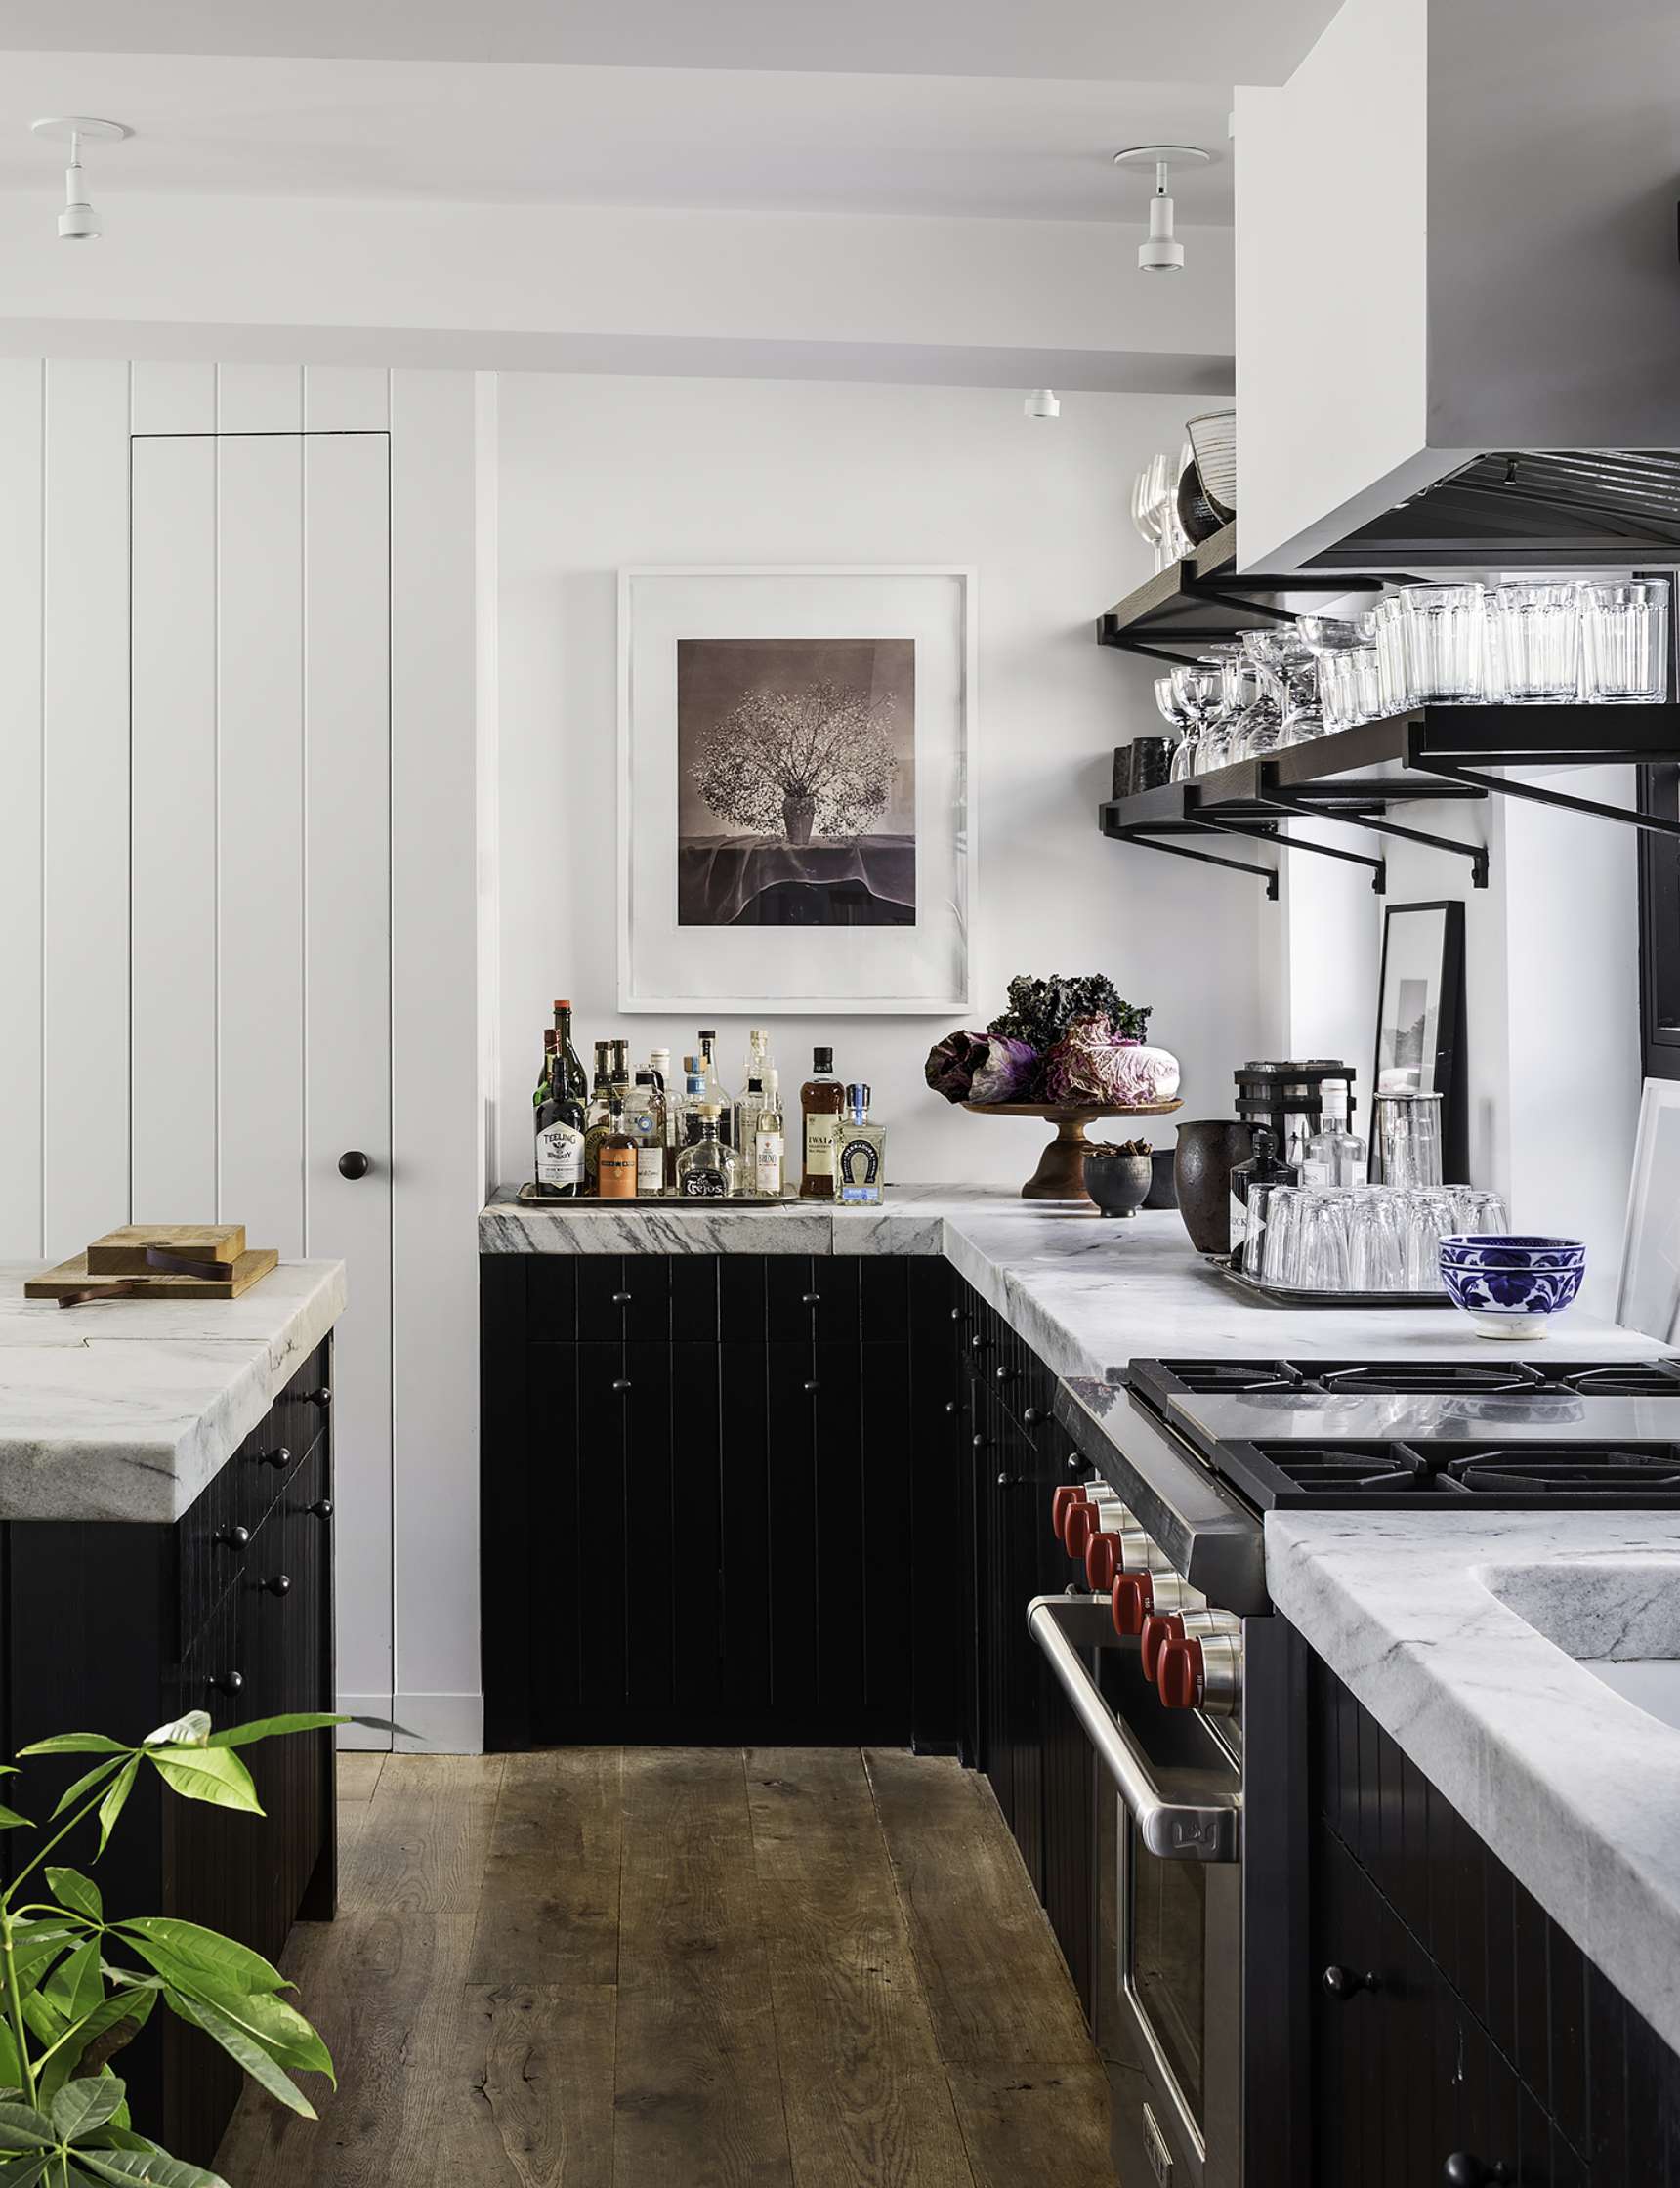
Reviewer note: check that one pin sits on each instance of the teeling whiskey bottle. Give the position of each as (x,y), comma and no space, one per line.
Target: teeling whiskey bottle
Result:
(820,1100)
(560,1123)
(572,1069)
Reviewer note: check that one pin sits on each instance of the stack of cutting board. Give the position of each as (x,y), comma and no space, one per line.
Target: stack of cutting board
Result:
(127,1262)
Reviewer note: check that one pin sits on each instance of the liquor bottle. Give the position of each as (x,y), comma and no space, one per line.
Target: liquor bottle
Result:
(1263,1169)
(659,1063)
(560,1125)
(769,1142)
(715,1085)
(707,1169)
(1335,1154)
(615,1154)
(547,1072)
(645,1121)
(599,1115)
(758,1067)
(820,1100)
(861,1154)
(572,1069)
(619,1068)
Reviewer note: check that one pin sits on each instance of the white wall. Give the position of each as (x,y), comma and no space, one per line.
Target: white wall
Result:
(595,473)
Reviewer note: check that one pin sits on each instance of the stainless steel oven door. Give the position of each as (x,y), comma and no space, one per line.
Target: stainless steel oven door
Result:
(1168,1994)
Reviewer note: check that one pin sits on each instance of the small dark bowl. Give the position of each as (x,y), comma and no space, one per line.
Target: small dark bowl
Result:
(1118,1183)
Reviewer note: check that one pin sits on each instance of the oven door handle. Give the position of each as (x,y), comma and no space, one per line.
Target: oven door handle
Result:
(1170,1830)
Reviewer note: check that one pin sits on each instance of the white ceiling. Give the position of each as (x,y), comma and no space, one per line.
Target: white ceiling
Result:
(959,146)
(1136,41)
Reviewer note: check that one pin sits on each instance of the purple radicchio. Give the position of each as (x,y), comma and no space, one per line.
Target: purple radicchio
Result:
(1092,1063)
(981,1067)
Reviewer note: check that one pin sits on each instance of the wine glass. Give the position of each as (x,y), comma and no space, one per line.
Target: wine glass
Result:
(1225,656)
(1194,694)
(1258,723)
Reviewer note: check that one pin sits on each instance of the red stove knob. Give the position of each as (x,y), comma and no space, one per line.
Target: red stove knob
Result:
(1133,1601)
(1101,1561)
(1179,1672)
(1159,1628)
(1062,1502)
(1078,1528)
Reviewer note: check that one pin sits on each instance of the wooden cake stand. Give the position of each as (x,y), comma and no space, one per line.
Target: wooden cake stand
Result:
(1061,1172)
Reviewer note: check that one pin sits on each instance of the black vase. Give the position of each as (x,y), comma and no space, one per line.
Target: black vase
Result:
(1163,1192)
(1208,1152)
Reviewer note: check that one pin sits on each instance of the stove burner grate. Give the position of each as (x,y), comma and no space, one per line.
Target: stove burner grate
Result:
(1543,1470)
(1233,1378)
(1427,1377)
(1516,1476)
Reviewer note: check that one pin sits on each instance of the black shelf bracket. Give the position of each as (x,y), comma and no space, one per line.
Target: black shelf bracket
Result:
(1268,832)
(1146,842)
(1455,770)
(1318,809)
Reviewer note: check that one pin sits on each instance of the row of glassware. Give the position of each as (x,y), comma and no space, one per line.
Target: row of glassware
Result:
(1540,642)
(1364,1238)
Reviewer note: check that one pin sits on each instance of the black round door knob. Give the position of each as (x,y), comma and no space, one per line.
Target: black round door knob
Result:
(1347,1983)
(279,1456)
(1465,2171)
(321,1508)
(352,1163)
(233,1537)
(280,1585)
(226,1682)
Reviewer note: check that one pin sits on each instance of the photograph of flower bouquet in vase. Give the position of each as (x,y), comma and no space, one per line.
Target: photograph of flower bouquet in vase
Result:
(797,796)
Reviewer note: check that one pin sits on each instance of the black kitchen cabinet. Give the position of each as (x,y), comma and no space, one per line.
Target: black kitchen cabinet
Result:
(1453,2019)
(118,1628)
(719,1494)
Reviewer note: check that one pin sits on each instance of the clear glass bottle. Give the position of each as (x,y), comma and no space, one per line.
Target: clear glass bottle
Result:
(758,1067)
(769,1142)
(615,1154)
(708,1169)
(820,1100)
(861,1154)
(645,1121)
(715,1092)
(599,1115)
(1335,1154)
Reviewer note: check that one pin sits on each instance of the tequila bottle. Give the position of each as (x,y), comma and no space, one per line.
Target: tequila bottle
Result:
(645,1121)
(715,1085)
(707,1169)
(859,1155)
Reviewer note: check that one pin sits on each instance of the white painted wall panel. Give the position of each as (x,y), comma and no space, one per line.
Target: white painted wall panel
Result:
(260,739)
(259,398)
(347,700)
(346,398)
(22,393)
(174,850)
(173,399)
(85,817)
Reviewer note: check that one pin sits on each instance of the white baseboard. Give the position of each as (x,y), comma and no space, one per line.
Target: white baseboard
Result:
(422,1724)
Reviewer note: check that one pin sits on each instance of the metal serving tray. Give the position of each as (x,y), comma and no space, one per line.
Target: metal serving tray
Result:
(1272,1296)
(530,1198)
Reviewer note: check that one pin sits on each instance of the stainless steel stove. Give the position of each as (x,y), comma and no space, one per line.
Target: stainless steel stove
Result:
(1189,1692)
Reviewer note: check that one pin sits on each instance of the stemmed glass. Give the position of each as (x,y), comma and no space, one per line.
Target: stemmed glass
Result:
(1259,725)
(1226,656)
(1344,655)
(1193,694)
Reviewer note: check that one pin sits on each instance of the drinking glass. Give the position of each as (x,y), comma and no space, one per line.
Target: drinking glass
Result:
(1394,675)
(1535,630)
(1333,642)
(1428,1218)
(1482,1214)
(1259,724)
(1227,657)
(1444,632)
(1324,1248)
(1626,633)
(1194,694)
(1279,1241)
(1376,1246)
(1408,1129)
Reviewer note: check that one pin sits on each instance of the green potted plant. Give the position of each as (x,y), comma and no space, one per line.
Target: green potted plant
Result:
(77,1984)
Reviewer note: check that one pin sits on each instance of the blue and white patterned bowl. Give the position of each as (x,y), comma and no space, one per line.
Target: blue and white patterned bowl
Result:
(1508,1285)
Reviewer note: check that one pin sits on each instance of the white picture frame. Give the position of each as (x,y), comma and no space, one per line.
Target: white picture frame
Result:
(669,964)
(1648,1295)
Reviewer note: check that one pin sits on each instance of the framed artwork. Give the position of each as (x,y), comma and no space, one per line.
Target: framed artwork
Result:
(1649,1297)
(795,825)
(1421,1016)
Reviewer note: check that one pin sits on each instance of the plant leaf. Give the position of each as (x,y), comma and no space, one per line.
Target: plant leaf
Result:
(35,1945)
(191,1731)
(111,1807)
(202,1959)
(70,1889)
(28,2172)
(23,2127)
(280,2029)
(77,1743)
(82,2105)
(77,1985)
(262,1728)
(209,1774)
(150,2168)
(242,2049)
(99,2036)
(86,1782)
(10,1820)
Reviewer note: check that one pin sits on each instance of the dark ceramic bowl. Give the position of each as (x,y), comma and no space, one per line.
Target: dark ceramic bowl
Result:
(1119,1184)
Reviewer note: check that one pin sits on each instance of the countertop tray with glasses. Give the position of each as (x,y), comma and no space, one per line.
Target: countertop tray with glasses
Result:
(1277,1295)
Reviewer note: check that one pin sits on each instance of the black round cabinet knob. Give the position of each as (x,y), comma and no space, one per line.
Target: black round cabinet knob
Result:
(279,1456)
(226,1682)
(1076,1466)
(280,1585)
(1347,1983)
(1464,2170)
(233,1537)
(321,1508)
(352,1163)
(321,1398)
(1032,1416)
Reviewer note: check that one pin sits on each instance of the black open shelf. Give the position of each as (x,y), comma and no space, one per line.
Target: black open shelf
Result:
(1181,608)
(1435,753)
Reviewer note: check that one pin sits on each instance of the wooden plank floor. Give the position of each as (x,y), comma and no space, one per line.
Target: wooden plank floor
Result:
(682,1968)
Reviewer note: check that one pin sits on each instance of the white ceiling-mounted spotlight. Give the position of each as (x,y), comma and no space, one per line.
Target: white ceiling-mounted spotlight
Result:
(1042,403)
(80,222)
(1163,253)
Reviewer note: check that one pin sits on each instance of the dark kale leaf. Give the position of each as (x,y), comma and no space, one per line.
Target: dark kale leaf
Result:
(1041,1011)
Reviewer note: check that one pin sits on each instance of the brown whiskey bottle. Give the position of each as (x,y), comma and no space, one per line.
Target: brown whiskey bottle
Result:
(820,1100)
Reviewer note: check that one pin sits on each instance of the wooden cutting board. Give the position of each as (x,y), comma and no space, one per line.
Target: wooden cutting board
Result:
(74,1276)
(122,1253)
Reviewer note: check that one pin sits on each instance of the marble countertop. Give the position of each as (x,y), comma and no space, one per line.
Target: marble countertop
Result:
(1573,1786)
(126,1408)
